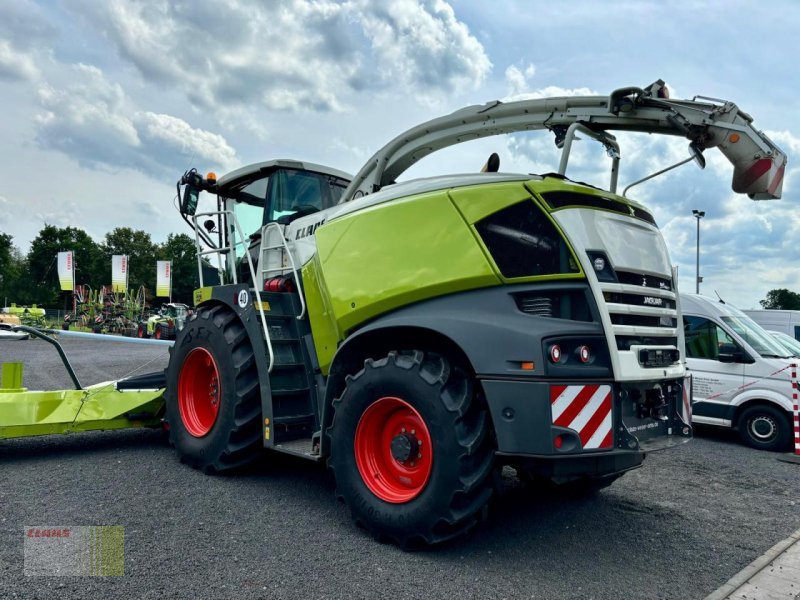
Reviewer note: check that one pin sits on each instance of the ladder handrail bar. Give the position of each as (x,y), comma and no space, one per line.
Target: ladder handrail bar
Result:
(230,218)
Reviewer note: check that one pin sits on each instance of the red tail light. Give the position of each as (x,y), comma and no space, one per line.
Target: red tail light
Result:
(584,354)
(555,353)
(279,284)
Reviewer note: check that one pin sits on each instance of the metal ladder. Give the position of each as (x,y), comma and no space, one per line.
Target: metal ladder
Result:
(235,239)
(282,245)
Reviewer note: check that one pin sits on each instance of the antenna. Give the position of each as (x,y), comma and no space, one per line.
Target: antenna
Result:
(720,297)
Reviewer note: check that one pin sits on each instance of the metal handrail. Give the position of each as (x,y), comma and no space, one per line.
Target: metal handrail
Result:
(608,140)
(284,244)
(200,252)
(231,251)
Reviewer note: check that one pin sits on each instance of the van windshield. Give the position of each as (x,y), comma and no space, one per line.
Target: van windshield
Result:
(758,338)
(791,344)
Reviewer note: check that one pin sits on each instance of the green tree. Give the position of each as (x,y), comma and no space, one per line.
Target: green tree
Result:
(781,299)
(12,265)
(180,249)
(42,270)
(141,252)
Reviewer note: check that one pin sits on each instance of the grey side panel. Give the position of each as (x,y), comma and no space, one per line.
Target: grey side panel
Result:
(490,328)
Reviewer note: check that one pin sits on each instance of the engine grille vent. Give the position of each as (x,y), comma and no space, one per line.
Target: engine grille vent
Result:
(541,306)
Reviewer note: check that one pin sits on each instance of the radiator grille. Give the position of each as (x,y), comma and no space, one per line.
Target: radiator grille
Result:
(642,308)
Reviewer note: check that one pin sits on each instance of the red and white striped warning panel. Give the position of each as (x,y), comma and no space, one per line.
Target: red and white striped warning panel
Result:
(586,409)
(686,413)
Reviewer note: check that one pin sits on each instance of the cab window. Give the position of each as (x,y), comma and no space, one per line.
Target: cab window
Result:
(704,338)
(249,208)
(294,191)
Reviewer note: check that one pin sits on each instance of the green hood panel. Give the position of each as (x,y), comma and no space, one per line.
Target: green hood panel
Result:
(376,260)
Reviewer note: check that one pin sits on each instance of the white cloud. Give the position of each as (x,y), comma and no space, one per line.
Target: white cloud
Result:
(16,65)
(517,79)
(93,121)
(26,24)
(293,54)
(550,91)
(172,135)
(423,44)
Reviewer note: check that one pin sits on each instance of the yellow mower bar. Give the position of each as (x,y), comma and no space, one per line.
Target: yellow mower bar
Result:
(26,413)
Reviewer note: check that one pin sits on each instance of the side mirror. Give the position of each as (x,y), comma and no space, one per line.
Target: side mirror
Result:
(731,353)
(189,200)
(697,155)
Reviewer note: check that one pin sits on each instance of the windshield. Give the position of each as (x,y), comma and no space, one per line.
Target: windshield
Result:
(788,342)
(297,191)
(756,336)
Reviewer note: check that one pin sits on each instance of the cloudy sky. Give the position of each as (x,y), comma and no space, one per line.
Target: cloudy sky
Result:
(106,103)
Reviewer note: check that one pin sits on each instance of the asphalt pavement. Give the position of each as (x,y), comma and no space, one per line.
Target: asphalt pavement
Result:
(679,527)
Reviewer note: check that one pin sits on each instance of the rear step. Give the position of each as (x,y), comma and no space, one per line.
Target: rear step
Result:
(304,447)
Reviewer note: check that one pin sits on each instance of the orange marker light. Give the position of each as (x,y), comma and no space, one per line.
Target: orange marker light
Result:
(527,366)
(733,138)
(211,177)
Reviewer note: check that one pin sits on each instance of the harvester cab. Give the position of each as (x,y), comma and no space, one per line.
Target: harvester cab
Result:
(250,200)
(418,335)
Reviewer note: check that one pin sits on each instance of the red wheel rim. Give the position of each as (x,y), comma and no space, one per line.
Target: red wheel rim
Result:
(199,392)
(141,332)
(393,450)
(158,333)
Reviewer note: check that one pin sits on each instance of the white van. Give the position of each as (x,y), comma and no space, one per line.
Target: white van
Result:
(741,375)
(785,321)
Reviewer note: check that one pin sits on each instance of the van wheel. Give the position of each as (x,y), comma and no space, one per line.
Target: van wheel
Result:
(764,427)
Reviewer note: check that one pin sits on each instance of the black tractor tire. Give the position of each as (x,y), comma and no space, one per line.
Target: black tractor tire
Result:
(455,495)
(234,438)
(141,331)
(765,427)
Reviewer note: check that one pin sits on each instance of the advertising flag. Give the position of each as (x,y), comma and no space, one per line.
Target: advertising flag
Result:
(66,270)
(119,273)
(164,278)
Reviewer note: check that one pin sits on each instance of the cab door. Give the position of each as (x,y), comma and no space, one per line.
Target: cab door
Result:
(714,382)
